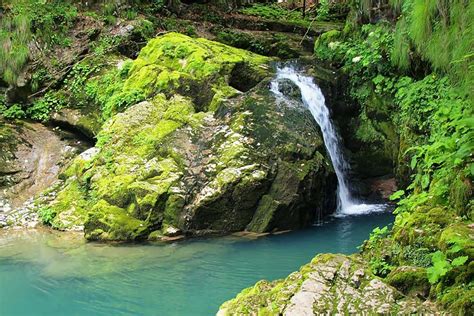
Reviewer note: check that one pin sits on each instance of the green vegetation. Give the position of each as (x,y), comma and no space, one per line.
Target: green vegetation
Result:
(409,68)
(431,106)
(24,20)
(439,32)
(274,45)
(276,12)
(46,215)
(325,10)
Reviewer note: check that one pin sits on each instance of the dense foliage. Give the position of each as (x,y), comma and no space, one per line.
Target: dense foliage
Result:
(44,22)
(431,106)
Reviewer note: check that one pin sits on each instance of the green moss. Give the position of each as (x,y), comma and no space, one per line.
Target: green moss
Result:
(175,62)
(458,238)
(129,173)
(114,188)
(171,63)
(266,210)
(109,222)
(173,208)
(221,93)
(282,192)
(461,194)
(423,226)
(409,280)
(155,235)
(326,38)
(70,207)
(458,300)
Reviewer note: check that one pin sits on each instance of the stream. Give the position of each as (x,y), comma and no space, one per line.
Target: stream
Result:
(53,273)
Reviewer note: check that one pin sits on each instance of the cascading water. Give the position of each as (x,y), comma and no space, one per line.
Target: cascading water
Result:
(313,98)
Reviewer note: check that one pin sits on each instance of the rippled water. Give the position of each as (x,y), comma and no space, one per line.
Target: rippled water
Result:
(51,273)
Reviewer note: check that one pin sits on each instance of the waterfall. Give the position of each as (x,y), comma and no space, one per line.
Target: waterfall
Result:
(313,99)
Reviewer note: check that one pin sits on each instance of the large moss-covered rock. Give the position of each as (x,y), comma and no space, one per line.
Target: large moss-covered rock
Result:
(330,284)
(210,150)
(198,68)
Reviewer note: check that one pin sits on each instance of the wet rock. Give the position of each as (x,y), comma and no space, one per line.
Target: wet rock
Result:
(85,121)
(289,89)
(337,283)
(31,158)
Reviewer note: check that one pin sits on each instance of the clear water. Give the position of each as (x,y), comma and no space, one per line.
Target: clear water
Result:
(313,98)
(51,273)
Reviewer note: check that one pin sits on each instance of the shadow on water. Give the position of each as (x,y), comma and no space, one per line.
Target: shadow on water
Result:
(54,273)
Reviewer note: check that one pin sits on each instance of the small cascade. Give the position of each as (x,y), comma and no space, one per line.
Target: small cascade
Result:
(313,99)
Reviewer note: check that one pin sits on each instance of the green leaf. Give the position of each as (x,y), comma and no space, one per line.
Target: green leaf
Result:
(459,261)
(456,248)
(440,267)
(413,162)
(397,195)
(425,181)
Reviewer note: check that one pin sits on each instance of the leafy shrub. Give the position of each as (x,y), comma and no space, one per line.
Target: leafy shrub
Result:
(441,266)
(276,12)
(78,76)
(15,111)
(23,20)
(46,215)
(41,109)
(181,26)
(378,233)
(322,12)
(440,32)
(380,267)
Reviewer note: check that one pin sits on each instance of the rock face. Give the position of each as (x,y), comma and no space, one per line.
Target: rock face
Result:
(31,157)
(210,150)
(330,284)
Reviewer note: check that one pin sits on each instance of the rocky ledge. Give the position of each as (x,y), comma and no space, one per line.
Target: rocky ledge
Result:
(330,284)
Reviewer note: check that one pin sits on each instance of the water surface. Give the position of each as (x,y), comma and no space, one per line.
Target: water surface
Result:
(51,273)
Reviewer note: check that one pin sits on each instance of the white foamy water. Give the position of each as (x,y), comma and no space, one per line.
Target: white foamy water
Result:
(313,99)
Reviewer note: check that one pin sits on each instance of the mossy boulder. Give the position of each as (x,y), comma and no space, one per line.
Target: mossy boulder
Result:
(208,150)
(331,283)
(197,68)
(410,281)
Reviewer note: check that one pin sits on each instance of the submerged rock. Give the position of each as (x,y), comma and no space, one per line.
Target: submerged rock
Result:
(331,283)
(210,150)
(289,89)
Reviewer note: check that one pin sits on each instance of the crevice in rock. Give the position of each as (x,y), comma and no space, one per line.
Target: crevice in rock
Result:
(243,77)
